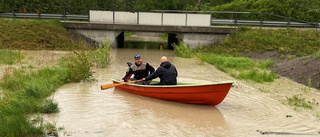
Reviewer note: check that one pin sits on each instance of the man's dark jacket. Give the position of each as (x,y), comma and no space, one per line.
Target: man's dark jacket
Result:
(139,71)
(167,73)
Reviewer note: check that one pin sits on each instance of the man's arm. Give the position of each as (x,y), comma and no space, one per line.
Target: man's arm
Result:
(150,68)
(128,75)
(156,74)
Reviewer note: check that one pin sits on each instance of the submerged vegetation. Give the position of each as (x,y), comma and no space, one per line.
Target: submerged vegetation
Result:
(24,91)
(297,101)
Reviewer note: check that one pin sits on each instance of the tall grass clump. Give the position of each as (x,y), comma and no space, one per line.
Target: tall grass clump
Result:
(101,56)
(182,50)
(297,101)
(50,106)
(243,68)
(11,56)
(78,66)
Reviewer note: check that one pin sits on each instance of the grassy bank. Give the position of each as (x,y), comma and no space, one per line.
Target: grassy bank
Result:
(24,90)
(227,55)
(290,43)
(36,35)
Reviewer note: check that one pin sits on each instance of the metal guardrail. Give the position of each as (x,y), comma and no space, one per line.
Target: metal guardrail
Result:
(263,23)
(45,16)
(290,23)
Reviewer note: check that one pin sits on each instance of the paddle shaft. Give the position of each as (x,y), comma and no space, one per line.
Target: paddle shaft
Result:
(114,85)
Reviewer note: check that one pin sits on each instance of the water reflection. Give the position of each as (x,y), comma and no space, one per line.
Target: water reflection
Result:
(145,45)
(85,110)
(199,116)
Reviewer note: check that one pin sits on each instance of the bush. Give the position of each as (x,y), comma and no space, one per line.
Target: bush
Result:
(183,50)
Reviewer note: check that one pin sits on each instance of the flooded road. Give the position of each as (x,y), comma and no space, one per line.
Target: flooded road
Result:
(85,110)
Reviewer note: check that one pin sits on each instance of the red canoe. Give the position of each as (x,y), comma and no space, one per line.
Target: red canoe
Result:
(206,94)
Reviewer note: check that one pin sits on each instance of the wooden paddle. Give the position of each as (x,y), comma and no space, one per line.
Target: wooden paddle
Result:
(114,85)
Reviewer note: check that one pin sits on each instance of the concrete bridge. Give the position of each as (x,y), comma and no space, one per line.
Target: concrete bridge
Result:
(193,29)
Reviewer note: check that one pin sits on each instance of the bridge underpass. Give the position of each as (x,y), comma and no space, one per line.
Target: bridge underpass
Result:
(192,29)
(114,33)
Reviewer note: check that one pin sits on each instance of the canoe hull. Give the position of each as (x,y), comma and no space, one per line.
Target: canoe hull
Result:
(206,94)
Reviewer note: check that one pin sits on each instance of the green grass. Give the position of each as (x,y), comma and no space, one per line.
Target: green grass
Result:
(50,106)
(10,57)
(33,34)
(101,56)
(182,50)
(297,101)
(288,42)
(226,54)
(25,92)
(128,34)
(243,68)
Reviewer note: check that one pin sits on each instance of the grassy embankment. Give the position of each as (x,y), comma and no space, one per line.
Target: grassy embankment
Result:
(226,55)
(25,90)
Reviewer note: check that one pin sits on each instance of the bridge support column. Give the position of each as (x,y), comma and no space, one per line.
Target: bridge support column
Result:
(113,37)
(194,40)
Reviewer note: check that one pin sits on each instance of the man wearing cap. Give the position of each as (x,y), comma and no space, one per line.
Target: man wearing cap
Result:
(139,69)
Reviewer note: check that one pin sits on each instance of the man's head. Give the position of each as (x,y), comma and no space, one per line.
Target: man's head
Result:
(137,59)
(163,59)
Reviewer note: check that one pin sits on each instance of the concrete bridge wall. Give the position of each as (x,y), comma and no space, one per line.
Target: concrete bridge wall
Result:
(192,36)
(150,18)
(192,29)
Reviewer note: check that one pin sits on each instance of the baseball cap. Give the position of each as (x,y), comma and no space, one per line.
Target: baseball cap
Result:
(137,56)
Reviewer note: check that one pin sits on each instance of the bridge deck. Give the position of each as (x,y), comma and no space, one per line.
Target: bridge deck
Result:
(149,28)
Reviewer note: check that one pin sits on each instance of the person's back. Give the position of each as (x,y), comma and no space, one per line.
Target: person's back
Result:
(167,73)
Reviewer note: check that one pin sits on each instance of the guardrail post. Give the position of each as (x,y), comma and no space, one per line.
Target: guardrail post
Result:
(64,13)
(137,18)
(14,14)
(261,21)
(24,11)
(38,11)
(235,21)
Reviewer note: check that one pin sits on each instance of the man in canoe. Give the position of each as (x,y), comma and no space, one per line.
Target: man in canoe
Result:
(139,69)
(167,73)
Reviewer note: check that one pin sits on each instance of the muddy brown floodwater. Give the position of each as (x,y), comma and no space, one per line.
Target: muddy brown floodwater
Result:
(85,110)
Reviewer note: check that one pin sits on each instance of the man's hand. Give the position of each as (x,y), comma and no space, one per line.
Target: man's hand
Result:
(121,81)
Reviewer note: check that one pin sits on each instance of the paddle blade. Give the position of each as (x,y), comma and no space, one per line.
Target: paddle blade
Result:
(109,86)
(114,85)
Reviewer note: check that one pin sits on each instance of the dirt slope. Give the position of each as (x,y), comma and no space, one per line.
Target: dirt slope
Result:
(304,70)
